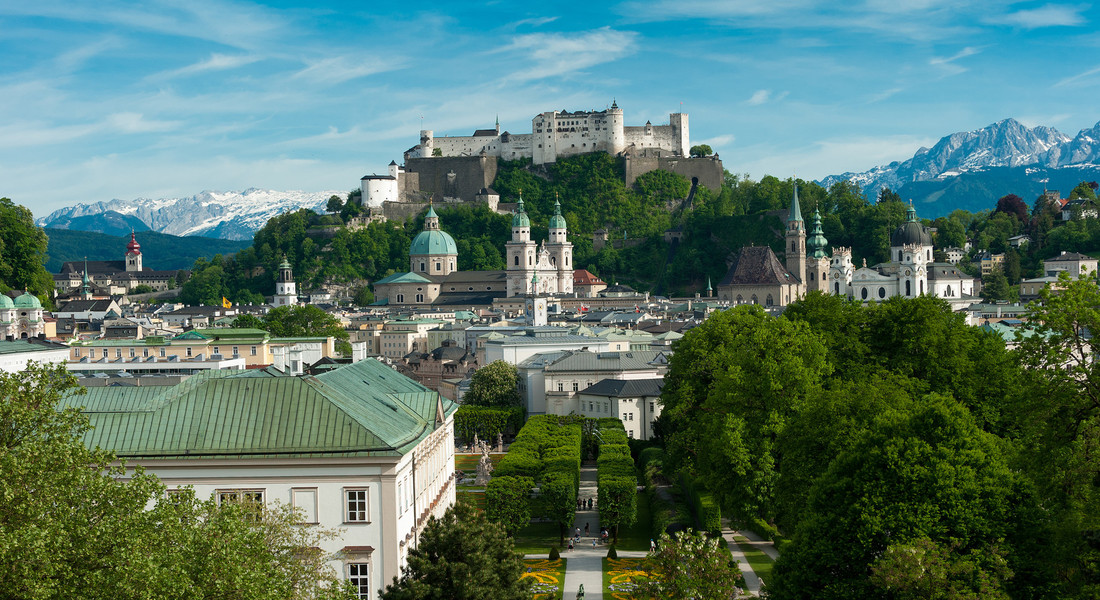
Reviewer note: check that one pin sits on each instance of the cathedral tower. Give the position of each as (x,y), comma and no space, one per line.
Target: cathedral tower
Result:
(133,255)
(561,252)
(521,252)
(817,263)
(286,293)
(796,240)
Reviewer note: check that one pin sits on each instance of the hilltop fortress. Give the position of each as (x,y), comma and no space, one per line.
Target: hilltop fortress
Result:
(462,168)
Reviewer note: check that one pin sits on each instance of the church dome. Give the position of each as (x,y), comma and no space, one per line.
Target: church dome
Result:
(5,301)
(133,247)
(27,300)
(433,242)
(911,232)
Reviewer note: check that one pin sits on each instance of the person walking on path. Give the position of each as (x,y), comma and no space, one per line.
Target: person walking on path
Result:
(586,530)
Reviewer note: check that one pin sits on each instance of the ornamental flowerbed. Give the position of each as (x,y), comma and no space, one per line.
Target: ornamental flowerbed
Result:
(619,576)
(548,577)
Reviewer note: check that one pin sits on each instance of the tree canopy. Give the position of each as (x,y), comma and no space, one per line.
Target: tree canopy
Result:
(462,557)
(23,252)
(689,565)
(496,385)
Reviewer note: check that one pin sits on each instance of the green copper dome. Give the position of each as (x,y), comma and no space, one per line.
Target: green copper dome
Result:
(557,221)
(5,301)
(520,219)
(816,242)
(433,240)
(27,300)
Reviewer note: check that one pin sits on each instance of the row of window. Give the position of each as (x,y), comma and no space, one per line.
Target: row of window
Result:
(356,506)
(162,352)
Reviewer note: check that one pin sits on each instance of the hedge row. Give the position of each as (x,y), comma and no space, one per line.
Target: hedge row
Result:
(615,477)
(546,452)
(706,509)
(486,422)
(665,513)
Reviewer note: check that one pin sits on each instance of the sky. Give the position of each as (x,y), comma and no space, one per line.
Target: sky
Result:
(105,99)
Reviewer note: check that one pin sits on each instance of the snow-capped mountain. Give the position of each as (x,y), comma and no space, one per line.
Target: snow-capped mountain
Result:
(1007,143)
(225,215)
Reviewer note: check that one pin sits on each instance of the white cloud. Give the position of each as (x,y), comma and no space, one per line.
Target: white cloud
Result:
(1049,15)
(129,122)
(827,157)
(216,62)
(1078,77)
(556,54)
(718,141)
(759,97)
(338,69)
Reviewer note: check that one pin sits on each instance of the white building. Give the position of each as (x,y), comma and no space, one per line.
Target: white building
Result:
(636,402)
(360,449)
(550,382)
(15,354)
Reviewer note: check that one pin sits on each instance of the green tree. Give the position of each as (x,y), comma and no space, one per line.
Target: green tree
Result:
(689,565)
(363,296)
(928,472)
(306,321)
(925,570)
(141,289)
(495,384)
(701,150)
(75,521)
(335,203)
(462,557)
(508,502)
(888,195)
(23,252)
(995,286)
(247,321)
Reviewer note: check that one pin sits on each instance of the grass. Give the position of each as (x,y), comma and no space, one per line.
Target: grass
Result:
(619,572)
(548,575)
(537,538)
(761,563)
(477,498)
(637,536)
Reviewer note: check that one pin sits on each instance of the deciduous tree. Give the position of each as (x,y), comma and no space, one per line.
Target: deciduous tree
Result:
(689,565)
(495,384)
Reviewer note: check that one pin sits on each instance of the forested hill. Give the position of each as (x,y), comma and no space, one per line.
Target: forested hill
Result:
(590,187)
(160,251)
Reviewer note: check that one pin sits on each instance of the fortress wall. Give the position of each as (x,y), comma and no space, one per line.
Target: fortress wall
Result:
(709,170)
(664,137)
(460,177)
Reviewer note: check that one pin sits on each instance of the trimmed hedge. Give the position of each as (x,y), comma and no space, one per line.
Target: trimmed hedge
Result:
(707,512)
(615,477)
(486,421)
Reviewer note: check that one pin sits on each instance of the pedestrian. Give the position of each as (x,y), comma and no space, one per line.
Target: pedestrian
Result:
(570,544)
(593,543)
(586,529)
(578,533)
(589,504)
(652,545)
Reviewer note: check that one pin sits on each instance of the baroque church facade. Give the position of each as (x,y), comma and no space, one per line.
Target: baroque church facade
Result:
(434,278)
(115,277)
(757,276)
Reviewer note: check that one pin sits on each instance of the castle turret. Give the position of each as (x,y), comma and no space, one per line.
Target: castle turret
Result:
(616,127)
(286,293)
(817,263)
(133,255)
(796,240)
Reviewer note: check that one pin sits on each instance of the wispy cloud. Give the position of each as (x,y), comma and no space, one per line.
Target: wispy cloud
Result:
(556,54)
(1049,15)
(128,122)
(534,22)
(1078,77)
(338,69)
(763,97)
(947,63)
(216,62)
(831,156)
(884,95)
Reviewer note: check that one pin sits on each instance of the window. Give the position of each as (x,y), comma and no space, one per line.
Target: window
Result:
(189,351)
(304,500)
(651,407)
(235,351)
(118,352)
(253,496)
(217,350)
(356,506)
(422,269)
(575,386)
(882,292)
(145,353)
(517,260)
(162,352)
(863,292)
(359,578)
(253,351)
(76,352)
(400,298)
(438,266)
(561,387)
(131,352)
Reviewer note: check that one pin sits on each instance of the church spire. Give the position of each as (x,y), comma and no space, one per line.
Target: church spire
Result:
(795,213)
(816,242)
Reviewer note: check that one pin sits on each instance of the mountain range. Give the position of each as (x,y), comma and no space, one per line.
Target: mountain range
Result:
(224,215)
(970,170)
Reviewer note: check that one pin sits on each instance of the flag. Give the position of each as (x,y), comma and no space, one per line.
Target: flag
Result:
(226,303)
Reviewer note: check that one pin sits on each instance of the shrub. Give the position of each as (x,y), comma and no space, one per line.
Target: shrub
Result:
(611,552)
(554,555)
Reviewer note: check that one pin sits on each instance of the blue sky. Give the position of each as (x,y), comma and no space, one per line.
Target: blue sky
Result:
(110,99)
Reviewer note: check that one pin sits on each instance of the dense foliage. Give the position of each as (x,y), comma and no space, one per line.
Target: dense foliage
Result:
(495,385)
(299,321)
(902,452)
(74,521)
(23,252)
(689,565)
(462,557)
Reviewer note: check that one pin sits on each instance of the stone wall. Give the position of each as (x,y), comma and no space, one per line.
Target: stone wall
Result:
(709,170)
(459,177)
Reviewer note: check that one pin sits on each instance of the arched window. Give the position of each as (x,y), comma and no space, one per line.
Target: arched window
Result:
(768,301)
(792,246)
(812,275)
(740,299)
(949,291)
(908,288)
(899,255)
(836,288)
(400,298)
(882,292)
(921,287)
(517,260)
(554,261)
(420,297)
(438,266)
(863,293)
(422,269)
(754,300)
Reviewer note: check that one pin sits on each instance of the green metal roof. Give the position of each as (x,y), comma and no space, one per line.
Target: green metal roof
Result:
(230,333)
(363,409)
(403,278)
(557,221)
(433,242)
(520,219)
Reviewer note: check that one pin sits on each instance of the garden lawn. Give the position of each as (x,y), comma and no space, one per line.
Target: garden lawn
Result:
(548,575)
(537,538)
(637,536)
(475,496)
(468,462)
(760,562)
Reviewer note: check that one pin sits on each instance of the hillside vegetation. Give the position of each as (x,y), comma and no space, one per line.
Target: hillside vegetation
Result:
(321,250)
(161,251)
